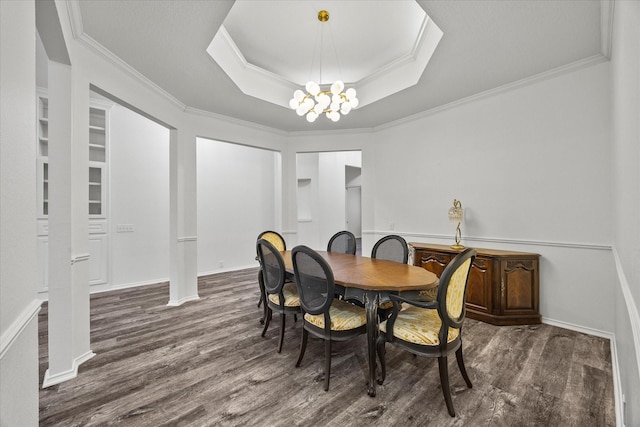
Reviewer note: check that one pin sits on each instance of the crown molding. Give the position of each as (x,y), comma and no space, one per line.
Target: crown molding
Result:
(234,121)
(75,18)
(73,9)
(527,81)
(331,132)
(606,26)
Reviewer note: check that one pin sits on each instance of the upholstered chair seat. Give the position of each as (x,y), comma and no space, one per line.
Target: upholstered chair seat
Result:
(290,293)
(343,316)
(419,326)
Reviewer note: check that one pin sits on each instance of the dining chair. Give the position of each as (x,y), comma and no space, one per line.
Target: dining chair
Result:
(343,242)
(279,296)
(390,248)
(323,316)
(434,328)
(276,240)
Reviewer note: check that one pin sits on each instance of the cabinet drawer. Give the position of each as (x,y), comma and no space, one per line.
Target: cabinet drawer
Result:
(432,261)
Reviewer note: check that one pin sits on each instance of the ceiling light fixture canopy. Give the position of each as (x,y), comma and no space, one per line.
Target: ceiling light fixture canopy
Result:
(316,101)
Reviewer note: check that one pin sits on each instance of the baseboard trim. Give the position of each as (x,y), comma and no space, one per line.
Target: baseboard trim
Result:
(179,302)
(617,384)
(18,326)
(578,328)
(634,319)
(60,377)
(132,285)
(228,270)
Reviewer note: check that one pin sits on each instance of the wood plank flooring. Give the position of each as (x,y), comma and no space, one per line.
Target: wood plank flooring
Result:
(205,364)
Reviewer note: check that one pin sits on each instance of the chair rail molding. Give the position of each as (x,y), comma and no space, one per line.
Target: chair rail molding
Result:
(16,328)
(79,258)
(448,237)
(187,239)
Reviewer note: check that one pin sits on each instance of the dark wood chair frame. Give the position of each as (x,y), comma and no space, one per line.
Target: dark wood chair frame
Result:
(325,333)
(405,256)
(284,248)
(350,250)
(383,313)
(274,288)
(444,348)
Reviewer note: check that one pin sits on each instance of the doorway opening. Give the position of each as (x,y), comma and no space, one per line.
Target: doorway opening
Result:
(329,188)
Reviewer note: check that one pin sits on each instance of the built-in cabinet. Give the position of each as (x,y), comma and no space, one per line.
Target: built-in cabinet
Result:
(503,287)
(98,139)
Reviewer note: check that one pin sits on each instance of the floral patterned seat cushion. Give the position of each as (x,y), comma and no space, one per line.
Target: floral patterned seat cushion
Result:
(419,326)
(291,297)
(344,316)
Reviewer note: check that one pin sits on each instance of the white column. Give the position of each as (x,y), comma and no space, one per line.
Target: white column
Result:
(183,285)
(69,343)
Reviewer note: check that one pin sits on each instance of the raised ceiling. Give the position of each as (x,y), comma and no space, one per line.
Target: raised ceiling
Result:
(486,45)
(391,58)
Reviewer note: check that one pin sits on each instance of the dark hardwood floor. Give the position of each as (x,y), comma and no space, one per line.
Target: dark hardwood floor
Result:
(205,364)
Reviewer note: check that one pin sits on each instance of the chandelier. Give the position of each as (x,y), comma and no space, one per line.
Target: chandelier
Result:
(315,101)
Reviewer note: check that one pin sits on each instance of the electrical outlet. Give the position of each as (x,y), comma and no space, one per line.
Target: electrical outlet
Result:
(124,228)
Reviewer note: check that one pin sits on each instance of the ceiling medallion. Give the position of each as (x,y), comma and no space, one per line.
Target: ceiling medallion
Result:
(316,101)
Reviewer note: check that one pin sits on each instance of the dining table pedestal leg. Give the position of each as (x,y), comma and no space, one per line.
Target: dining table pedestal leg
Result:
(371,305)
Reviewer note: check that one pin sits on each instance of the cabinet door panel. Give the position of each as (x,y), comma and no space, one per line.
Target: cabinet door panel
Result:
(432,262)
(519,287)
(98,259)
(479,286)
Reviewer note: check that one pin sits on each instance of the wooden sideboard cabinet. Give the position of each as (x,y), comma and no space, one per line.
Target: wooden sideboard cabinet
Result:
(503,286)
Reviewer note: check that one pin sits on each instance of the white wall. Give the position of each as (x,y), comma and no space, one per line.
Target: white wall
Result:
(532,168)
(139,196)
(238,197)
(625,113)
(19,304)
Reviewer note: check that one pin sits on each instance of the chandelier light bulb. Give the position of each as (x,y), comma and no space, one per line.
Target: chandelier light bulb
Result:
(337,87)
(350,93)
(301,111)
(312,116)
(313,88)
(298,95)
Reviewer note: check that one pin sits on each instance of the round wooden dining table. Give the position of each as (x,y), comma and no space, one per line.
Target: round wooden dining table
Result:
(369,281)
